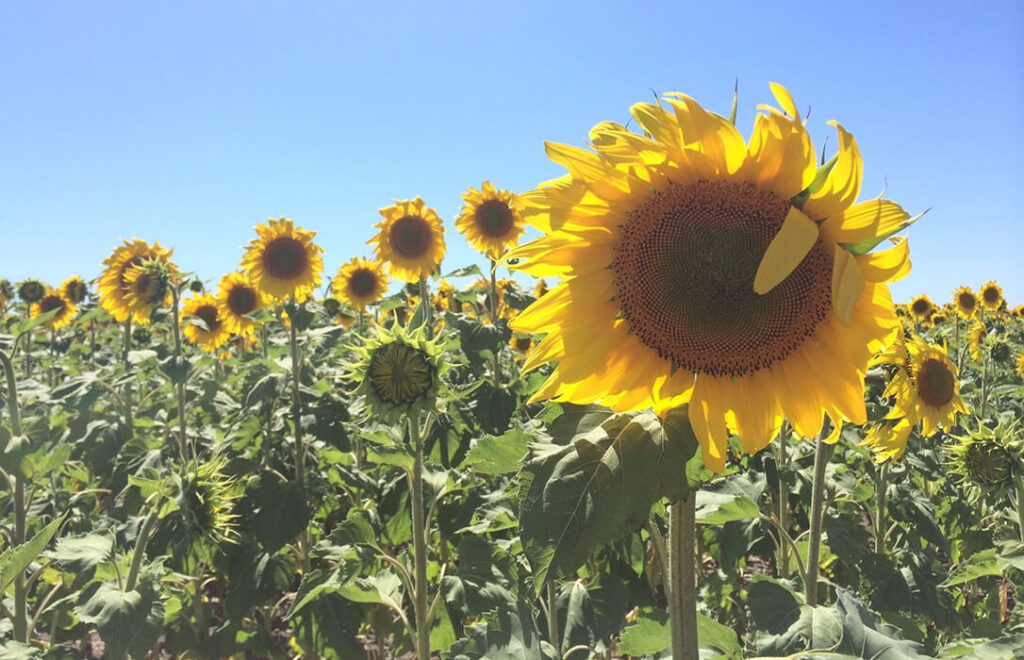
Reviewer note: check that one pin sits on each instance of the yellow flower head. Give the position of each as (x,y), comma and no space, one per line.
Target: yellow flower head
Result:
(976,336)
(284,261)
(991,296)
(521,343)
(966,302)
(237,297)
(55,300)
(74,289)
(921,307)
(113,286)
(360,282)
(410,240)
(147,286)
(698,267)
(204,325)
(490,220)
(1020,364)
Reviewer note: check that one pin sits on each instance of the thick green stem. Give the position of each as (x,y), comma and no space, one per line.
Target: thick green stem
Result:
(179,387)
(552,613)
(21,631)
(127,344)
(984,386)
(419,543)
(1020,505)
(783,464)
(683,592)
(492,297)
(881,525)
(140,550)
(300,440)
(822,454)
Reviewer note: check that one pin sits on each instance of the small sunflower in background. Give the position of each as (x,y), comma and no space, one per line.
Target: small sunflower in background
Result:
(283,261)
(966,302)
(204,325)
(410,240)
(490,220)
(237,297)
(147,286)
(1018,311)
(54,300)
(937,318)
(360,282)
(924,389)
(521,343)
(975,337)
(74,289)
(32,291)
(6,294)
(697,266)
(444,297)
(540,288)
(1019,364)
(921,307)
(113,287)
(991,296)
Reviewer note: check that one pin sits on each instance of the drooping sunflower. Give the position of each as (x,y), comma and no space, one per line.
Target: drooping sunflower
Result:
(921,307)
(55,300)
(74,289)
(360,282)
(975,337)
(284,262)
(490,220)
(147,286)
(212,332)
(6,294)
(966,302)
(697,267)
(991,296)
(113,287)
(410,240)
(237,297)
(924,389)
(987,460)
(32,291)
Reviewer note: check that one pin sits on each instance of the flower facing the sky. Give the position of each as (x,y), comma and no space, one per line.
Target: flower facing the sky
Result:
(410,240)
(283,261)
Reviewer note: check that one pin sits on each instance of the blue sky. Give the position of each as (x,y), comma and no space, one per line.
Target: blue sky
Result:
(191,122)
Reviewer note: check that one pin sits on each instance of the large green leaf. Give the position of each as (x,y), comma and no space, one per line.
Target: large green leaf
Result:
(83,553)
(507,633)
(274,511)
(15,560)
(581,491)
(129,622)
(499,455)
(980,564)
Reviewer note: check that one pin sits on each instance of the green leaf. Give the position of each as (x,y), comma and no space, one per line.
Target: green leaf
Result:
(1011,553)
(846,538)
(720,508)
(714,634)
(595,487)
(129,622)
(274,511)
(465,271)
(508,633)
(980,564)
(83,553)
(499,455)
(650,634)
(16,559)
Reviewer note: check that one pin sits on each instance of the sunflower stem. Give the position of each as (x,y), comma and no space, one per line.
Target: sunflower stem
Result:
(21,632)
(127,342)
(682,576)
(783,464)
(140,549)
(984,386)
(492,297)
(428,308)
(179,387)
(1020,505)
(300,441)
(822,454)
(552,614)
(419,542)
(882,492)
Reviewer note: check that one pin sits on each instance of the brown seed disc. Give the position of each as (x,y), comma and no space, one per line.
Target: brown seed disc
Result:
(242,300)
(920,307)
(210,317)
(991,295)
(50,303)
(967,300)
(410,236)
(284,258)
(684,270)
(362,282)
(494,218)
(935,383)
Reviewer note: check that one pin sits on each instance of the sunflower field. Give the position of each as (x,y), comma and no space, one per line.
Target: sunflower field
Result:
(676,414)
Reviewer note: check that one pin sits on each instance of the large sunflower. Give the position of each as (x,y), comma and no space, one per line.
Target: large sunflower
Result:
(697,267)
(284,261)
(360,282)
(410,240)
(237,297)
(113,285)
(991,296)
(55,300)
(966,302)
(921,307)
(212,332)
(925,389)
(490,220)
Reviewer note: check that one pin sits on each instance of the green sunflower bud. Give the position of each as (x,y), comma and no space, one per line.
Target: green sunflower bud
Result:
(31,291)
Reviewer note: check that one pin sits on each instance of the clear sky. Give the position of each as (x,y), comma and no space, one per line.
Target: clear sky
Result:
(190,122)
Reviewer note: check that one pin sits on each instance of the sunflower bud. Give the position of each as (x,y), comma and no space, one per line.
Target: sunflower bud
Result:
(332,306)
(31,291)
(141,336)
(1001,351)
(196,286)
(6,289)
(988,460)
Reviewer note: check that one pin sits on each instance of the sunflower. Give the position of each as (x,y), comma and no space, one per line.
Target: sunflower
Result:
(540,288)
(360,282)
(921,307)
(147,285)
(284,261)
(237,297)
(32,291)
(991,296)
(444,298)
(966,302)
(212,332)
(697,267)
(74,289)
(521,343)
(410,240)
(925,389)
(1018,311)
(490,220)
(113,287)
(1020,364)
(55,300)
(976,336)
(987,461)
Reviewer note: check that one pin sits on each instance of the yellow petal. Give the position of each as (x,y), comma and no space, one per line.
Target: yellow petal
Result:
(837,429)
(707,417)
(887,265)
(847,284)
(786,251)
(785,100)
(781,155)
(711,143)
(753,404)
(842,185)
(864,221)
